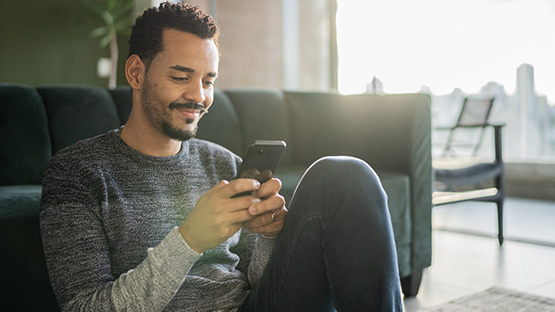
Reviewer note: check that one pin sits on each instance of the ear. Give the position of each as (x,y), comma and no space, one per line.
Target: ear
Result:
(135,71)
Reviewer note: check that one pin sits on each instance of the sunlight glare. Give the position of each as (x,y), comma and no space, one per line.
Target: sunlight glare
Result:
(445,44)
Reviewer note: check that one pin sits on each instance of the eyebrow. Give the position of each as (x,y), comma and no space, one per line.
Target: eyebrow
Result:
(190,70)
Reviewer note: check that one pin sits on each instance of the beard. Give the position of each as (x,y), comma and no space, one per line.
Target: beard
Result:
(176,133)
(162,119)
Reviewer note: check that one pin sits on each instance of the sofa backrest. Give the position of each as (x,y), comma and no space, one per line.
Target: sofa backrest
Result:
(24,140)
(77,112)
(263,115)
(334,124)
(221,124)
(123,99)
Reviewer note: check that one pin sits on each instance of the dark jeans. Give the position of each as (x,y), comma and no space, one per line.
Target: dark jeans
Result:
(336,249)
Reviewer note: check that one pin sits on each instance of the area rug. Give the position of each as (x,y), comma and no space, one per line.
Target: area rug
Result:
(497,299)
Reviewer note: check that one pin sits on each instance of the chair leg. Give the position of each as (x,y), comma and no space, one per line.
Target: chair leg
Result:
(500,236)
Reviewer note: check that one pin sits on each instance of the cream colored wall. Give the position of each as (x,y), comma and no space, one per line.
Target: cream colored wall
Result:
(252,43)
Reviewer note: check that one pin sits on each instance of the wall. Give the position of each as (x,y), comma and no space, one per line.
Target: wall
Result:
(262,46)
(47,42)
(530,180)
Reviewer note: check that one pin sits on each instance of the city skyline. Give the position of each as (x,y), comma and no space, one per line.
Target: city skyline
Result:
(529,132)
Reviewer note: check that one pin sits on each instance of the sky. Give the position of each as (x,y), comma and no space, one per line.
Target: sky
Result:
(445,44)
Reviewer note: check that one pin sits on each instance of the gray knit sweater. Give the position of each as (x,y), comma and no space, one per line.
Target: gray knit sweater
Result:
(109,218)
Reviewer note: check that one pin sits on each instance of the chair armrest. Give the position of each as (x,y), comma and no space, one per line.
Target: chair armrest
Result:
(470,126)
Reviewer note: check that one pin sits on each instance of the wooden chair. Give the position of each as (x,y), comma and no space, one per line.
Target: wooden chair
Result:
(481,181)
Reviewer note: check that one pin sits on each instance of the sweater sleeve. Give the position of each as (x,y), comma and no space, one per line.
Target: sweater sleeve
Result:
(261,254)
(77,253)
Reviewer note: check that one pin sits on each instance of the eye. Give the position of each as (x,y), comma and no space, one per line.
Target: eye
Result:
(180,79)
(208,83)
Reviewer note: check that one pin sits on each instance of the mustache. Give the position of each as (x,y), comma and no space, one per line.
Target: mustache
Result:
(189,105)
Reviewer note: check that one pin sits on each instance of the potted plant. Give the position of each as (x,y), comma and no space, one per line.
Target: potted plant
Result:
(116,17)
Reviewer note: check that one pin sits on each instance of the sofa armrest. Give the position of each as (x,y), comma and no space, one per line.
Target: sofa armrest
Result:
(391,133)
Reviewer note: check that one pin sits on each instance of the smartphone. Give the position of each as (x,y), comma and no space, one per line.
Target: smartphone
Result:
(261,160)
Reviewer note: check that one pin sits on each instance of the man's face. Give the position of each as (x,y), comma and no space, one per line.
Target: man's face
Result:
(179,84)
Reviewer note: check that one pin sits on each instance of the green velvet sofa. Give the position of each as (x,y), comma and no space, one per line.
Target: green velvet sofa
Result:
(392,133)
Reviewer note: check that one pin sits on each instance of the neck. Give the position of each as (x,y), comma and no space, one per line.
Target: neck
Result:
(141,137)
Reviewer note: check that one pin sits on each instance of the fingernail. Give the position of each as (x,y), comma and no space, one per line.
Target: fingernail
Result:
(253,210)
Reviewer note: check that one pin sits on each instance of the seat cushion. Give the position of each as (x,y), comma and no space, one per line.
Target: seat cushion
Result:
(18,201)
(25,285)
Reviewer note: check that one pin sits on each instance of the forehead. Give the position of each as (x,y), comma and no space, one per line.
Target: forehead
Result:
(187,49)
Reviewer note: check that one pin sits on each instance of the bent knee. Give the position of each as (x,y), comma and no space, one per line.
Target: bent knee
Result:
(345,167)
(342,164)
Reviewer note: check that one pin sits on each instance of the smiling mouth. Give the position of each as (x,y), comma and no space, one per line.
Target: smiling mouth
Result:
(189,106)
(190,110)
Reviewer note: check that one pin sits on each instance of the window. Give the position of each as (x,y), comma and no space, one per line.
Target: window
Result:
(452,48)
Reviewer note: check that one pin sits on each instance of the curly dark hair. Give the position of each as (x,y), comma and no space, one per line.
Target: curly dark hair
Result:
(146,34)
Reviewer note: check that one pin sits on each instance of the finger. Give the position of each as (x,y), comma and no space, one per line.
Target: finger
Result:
(250,173)
(263,220)
(220,184)
(239,186)
(266,224)
(216,197)
(272,203)
(241,217)
(268,188)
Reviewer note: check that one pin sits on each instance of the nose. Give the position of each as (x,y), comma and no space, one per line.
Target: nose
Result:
(195,92)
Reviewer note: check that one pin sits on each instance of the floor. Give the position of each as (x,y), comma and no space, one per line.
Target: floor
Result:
(467,258)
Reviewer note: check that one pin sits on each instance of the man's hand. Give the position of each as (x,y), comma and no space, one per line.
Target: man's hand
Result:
(269,214)
(216,216)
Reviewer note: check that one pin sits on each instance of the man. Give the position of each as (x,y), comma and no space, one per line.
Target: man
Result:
(143,218)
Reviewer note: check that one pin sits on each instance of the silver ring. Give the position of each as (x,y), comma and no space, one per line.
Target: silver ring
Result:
(273,216)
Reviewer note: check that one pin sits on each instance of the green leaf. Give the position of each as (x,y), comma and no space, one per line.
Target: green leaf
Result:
(108,18)
(100,31)
(116,17)
(105,40)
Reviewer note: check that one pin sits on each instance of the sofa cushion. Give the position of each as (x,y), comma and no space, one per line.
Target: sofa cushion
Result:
(123,99)
(25,285)
(24,141)
(221,124)
(17,201)
(77,112)
(334,124)
(319,125)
